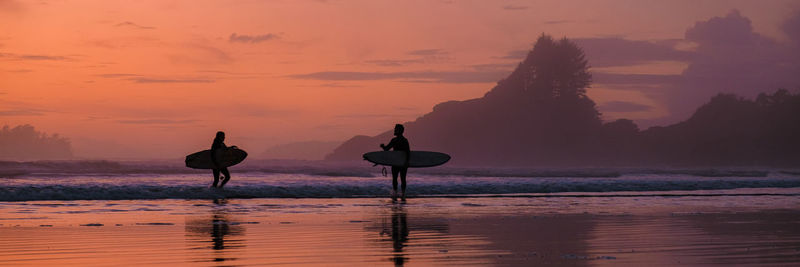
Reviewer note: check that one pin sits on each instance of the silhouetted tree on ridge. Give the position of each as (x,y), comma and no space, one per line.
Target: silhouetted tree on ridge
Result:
(538,113)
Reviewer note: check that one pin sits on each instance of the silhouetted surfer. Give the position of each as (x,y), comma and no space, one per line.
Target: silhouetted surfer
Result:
(399,143)
(218,144)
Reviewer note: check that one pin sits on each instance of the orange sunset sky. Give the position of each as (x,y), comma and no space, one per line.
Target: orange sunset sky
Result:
(157,79)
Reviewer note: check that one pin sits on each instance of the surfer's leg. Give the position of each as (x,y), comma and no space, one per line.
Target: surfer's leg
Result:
(216,176)
(403,173)
(395,171)
(227,177)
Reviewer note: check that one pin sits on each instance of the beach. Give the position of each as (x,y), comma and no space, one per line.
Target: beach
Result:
(741,227)
(514,133)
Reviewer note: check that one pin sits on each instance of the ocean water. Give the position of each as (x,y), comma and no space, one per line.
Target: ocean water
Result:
(161,214)
(104,180)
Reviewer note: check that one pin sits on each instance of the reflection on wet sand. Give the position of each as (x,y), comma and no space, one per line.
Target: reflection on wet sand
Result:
(399,234)
(486,240)
(531,240)
(219,228)
(424,239)
(426,232)
(714,238)
(752,238)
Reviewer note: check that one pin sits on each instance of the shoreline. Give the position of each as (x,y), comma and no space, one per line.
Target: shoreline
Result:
(254,186)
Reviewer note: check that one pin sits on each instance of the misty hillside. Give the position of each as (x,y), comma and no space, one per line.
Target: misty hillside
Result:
(540,116)
(730,130)
(24,142)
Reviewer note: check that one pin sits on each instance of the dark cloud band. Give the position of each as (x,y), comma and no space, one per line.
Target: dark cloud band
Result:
(432,76)
(252,39)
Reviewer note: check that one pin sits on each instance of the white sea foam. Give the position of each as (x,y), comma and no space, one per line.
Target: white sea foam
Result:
(271,185)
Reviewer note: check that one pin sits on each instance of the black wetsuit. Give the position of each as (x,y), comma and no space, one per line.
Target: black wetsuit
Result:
(218,144)
(399,143)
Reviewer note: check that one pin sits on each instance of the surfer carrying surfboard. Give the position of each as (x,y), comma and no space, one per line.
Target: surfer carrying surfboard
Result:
(218,144)
(399,143)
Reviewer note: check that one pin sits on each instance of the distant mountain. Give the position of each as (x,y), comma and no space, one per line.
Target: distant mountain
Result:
(24,142)
(540,116)
(309,150)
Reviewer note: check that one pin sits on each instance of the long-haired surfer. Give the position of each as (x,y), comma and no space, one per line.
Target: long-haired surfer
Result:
(218,144)
(399,143)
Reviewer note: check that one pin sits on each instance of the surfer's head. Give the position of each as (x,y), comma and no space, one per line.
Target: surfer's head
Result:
(221,135)
(399,129)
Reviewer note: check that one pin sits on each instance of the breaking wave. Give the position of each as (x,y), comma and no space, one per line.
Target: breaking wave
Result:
(9,169)
(305,186)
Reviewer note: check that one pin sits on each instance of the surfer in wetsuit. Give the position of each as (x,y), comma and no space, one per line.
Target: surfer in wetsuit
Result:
(218,144)
(399,143)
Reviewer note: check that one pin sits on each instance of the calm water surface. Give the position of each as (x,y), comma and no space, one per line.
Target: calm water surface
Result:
(741,228)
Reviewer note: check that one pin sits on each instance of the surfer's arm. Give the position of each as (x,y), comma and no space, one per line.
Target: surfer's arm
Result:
(389,146)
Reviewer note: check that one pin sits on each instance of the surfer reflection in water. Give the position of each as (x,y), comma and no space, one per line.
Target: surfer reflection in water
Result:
(399,143)
(399,235)
(226,235)
(218,144)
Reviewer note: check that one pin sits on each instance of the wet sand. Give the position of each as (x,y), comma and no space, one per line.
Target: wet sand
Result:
(503,231)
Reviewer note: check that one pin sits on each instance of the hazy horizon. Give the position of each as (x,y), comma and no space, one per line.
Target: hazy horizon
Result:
(156,80)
